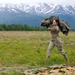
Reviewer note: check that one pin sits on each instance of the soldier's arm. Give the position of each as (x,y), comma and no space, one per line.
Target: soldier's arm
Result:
(49,28)
(52,28)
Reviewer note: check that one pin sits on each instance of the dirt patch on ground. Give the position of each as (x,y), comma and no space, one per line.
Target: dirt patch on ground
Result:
(50,70)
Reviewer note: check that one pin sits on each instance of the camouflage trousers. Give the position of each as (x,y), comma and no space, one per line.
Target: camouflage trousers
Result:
(58,44)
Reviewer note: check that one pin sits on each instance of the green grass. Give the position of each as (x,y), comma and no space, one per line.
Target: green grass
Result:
(25,48)
(11,73)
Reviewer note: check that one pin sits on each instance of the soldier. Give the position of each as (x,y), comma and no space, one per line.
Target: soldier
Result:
(55,40)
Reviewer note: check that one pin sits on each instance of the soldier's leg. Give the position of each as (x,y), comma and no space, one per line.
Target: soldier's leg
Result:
(59,46)
(49,50)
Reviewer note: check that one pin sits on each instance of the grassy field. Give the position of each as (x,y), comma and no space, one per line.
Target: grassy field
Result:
(28,48)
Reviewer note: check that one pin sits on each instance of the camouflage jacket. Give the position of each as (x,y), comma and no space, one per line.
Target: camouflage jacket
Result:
(54,33)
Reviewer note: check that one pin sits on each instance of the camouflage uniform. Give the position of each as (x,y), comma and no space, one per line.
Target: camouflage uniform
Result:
(55,41)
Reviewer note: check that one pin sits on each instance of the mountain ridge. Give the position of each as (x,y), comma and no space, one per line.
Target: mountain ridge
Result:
(33,14)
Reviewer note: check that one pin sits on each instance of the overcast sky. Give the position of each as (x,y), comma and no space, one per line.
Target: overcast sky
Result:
(64,2)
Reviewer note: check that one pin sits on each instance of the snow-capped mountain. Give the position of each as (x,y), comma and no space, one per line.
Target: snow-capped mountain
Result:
(33,14)
(39,8)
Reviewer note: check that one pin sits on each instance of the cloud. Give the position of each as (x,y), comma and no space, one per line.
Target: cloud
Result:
(63,2)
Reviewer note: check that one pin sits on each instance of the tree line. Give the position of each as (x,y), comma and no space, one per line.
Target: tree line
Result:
(20,27)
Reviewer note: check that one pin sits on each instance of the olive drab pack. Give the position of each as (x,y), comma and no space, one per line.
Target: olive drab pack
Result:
(63,25)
